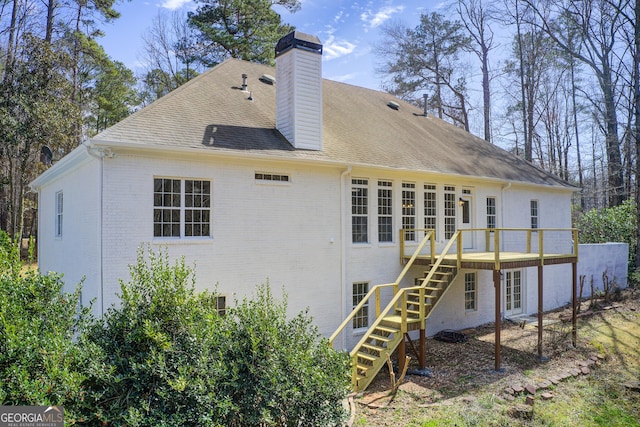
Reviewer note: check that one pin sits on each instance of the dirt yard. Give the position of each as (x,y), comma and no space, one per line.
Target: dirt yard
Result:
(465,371)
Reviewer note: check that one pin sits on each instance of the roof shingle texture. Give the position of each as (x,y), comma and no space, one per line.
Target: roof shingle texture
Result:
(212,113)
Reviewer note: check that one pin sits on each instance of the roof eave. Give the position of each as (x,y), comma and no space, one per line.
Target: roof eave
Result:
(63,166)
(145,148)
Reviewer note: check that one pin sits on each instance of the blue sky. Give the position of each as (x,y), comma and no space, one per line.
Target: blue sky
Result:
(347,29)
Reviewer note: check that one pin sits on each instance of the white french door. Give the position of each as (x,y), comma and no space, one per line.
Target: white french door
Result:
(512,291)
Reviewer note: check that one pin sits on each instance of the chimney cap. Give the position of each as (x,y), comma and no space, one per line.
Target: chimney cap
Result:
(299,40)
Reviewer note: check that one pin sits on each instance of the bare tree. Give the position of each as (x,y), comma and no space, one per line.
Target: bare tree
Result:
(477,20)
(597,22)
(171,52)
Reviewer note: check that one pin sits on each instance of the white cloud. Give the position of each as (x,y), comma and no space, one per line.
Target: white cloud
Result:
(174,4)
(375,19)
(333,49)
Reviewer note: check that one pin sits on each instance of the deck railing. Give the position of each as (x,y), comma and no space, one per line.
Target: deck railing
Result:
(497,238)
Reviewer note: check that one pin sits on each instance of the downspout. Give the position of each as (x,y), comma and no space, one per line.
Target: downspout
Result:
(343,249)
(100,154)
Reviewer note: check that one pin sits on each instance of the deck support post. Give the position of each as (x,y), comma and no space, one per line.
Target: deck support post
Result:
(540,309)
(498,325)
(423,348)
(402,352)
(574,303)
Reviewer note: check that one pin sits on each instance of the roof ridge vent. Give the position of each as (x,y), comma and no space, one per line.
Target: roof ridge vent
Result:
(393,105)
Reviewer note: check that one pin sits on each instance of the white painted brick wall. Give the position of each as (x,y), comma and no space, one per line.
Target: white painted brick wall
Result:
(289,234)
(75,254)
(277,232)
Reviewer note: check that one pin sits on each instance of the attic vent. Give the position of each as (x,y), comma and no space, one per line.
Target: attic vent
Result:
(268,79)
(393,105)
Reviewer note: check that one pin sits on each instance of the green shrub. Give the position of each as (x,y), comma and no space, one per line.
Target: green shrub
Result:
(158,366)
(280,372)
(615,224)
(169,359)
(40,363)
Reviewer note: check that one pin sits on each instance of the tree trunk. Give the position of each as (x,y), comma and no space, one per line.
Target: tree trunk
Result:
(8,65)
(577,133)
(615,178)
(636,87)
(51,14)
(523,99)
(486,94)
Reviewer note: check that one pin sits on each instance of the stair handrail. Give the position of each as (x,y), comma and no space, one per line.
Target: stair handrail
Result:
(400,293)
(377,288)
(455,238)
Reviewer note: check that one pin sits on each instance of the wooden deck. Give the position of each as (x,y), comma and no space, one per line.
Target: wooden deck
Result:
(504,260)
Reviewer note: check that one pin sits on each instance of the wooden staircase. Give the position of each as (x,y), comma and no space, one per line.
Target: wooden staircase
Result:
(407,311)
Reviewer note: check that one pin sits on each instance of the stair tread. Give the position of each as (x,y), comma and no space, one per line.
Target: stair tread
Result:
(387,329)
(366,356)
(396,318)
(424,302)
(379,338)
(373,347)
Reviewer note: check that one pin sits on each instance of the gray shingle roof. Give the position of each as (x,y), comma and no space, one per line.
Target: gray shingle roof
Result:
(212,113)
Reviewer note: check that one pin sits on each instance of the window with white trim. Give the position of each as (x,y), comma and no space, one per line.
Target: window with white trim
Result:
(450,205)
(181,208)
(361,319)
(359,210)
(491,212)
(430,206)
(59,212)
(409,210)
(470,292)
(534,214)
(385,211)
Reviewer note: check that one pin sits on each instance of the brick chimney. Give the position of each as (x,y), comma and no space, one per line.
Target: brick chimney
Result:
(299,90)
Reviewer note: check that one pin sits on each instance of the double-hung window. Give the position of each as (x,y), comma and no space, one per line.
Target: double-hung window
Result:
(359,210)
(409,210)
(385,211)
(59,212)
(534,214)
(181,208)
(450,206)
(361,319)
(430,206)
(491,212)
(470,292)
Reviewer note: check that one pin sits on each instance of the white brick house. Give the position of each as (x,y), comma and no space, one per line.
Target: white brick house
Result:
(302,181)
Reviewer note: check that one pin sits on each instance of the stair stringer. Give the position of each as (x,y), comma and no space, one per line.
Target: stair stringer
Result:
(373,366)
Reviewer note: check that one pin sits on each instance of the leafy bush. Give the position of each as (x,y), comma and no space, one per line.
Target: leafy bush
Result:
(169,359)
(158,367)
(40,363)
(280,373)
(616,224)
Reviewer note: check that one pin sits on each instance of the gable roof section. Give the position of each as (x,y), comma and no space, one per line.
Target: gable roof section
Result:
(211,113)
